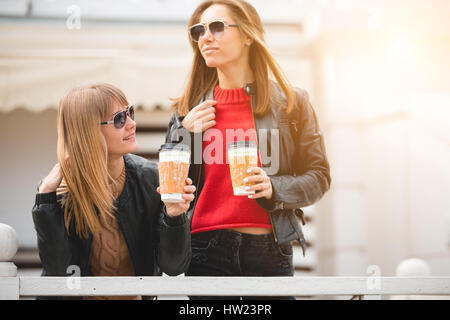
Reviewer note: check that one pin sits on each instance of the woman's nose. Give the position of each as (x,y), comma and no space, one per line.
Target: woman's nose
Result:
(207,36)
(130,122)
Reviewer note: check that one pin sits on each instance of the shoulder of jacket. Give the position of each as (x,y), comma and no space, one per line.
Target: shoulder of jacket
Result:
(302,95)
(142,165)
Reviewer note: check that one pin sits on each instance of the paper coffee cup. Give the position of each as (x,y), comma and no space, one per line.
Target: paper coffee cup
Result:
(173,170)
(242,155)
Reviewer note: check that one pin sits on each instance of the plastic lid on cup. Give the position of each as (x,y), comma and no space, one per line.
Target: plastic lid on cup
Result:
(242,144)
(174,146)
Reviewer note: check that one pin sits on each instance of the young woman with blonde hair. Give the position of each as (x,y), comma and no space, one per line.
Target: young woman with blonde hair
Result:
(99,211)
(229,89)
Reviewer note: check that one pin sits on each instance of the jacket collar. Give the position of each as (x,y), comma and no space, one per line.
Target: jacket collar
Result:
(250,89)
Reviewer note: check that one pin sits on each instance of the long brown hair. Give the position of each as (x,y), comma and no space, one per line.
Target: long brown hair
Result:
(202,78)
(85,176)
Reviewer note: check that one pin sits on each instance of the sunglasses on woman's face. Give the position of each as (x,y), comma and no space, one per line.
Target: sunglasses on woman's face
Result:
(120,118)
(216,27)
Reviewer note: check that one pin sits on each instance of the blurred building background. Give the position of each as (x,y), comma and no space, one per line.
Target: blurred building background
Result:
(378,73)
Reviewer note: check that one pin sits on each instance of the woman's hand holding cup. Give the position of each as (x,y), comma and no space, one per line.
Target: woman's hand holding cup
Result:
(176,209)
(260,182)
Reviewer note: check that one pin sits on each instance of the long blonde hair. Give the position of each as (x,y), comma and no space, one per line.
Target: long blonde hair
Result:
(85,177)
(202,78)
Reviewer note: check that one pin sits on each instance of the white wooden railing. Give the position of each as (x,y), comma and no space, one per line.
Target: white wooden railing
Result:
(14,287)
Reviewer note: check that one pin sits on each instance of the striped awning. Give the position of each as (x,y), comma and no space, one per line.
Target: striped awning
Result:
(39,63)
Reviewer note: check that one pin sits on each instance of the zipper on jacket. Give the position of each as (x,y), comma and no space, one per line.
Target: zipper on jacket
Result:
(201,167)
(87,265)
(197,182)
(131,252)
(259,154)
(273,231)
(198,195)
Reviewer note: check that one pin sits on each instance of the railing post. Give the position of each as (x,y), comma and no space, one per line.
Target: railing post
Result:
(9,282)
(412,267)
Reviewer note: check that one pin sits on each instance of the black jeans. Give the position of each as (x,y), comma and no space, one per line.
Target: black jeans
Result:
(231,253)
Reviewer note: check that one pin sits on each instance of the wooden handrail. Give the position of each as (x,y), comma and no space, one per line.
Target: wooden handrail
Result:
(230,286)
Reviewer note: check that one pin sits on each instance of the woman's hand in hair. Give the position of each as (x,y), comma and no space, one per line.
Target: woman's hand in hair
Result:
(176,209)
(52,181)
(260,182)
(200,118)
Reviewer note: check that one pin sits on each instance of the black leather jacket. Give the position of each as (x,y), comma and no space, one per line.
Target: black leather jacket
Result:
(302,174)
(156,241)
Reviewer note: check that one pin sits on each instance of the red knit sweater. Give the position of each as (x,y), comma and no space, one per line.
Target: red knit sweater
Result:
(217,207)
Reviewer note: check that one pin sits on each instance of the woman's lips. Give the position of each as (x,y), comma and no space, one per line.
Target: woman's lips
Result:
(130,138)
(209,50)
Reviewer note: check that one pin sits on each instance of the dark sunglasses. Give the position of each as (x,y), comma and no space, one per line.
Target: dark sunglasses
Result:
(216,27)
(120,118)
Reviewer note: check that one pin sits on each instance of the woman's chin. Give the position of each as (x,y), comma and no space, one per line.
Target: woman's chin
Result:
(134,148)
(131,148)
(211,63)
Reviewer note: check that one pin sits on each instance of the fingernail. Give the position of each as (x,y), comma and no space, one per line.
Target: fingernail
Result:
(250,197)
(247,188)
(245,180)
(249,170)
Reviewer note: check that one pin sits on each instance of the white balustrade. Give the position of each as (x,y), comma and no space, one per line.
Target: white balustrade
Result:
(413,267)
(13,287)
(9,283)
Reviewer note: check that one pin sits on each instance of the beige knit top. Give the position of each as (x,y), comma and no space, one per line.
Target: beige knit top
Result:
(109,253)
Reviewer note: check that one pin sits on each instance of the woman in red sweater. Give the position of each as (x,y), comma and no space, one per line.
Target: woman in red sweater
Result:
(240,235)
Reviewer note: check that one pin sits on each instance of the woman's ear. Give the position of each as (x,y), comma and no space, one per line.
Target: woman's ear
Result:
(247,41)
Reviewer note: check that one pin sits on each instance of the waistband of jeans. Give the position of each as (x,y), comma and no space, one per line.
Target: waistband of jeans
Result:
(229,236)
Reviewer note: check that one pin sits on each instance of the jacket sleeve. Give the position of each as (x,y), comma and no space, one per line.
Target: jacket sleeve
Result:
(174,245)
(311,178)
(52,238)
(176,132)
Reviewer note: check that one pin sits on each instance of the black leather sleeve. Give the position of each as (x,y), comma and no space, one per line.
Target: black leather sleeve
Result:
(312,171)
(174,245)
(52,238)
(176,132)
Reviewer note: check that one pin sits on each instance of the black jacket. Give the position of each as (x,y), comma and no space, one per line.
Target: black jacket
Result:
(156,242)
(302,174)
